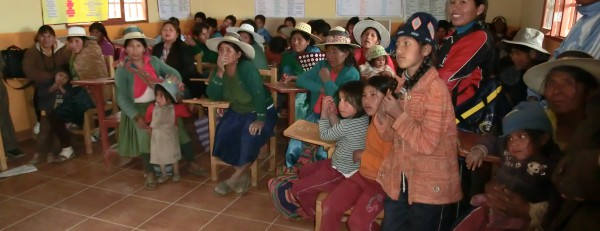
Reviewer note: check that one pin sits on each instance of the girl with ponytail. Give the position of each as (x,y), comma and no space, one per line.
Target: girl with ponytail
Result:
(420,175)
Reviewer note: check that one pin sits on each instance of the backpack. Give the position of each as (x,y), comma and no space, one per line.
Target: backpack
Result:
(13,58)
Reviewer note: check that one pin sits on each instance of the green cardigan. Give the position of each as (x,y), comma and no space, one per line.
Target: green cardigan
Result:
(252,83)
(311,81)
(260,59)
(124,85)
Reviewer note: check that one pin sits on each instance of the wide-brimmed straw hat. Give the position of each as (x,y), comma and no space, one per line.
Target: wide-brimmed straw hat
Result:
(213,44)
(337,36)
(535,77)
(134,32)
(302,27)
(361,26)
(76,31)
(529,37)
(248,29)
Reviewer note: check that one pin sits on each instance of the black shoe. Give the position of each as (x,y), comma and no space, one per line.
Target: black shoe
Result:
(14,154)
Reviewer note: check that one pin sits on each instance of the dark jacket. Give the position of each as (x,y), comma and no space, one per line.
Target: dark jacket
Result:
(181,57)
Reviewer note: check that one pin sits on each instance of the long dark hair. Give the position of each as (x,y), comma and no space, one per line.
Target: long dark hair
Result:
(177,29)
(354,91)
(379,82)
(304,35)
(98,26)
(349,61)
(44,29)
(427,62)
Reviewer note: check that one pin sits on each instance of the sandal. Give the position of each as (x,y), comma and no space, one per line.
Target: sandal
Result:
(176,177)
(242,185)
(150,182)
(162,179)
(65,154)
(223,188)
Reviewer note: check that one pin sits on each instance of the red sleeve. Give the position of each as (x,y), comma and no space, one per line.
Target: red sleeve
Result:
(149,113)
(182,111)
(461,60)
(390,63)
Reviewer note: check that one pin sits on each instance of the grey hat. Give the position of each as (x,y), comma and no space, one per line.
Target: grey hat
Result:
(171,86)
(526,115)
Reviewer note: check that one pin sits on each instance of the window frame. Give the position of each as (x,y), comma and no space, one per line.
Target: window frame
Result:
(559,29)
(121,20)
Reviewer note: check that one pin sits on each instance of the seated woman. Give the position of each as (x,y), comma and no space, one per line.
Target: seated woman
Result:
(250,120)
(249,36)
(99,31)
(369,33)
(135,80)
(175,53)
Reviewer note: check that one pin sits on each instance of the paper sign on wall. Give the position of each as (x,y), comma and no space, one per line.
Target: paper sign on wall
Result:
(173,8)
(279,8)
(74,11)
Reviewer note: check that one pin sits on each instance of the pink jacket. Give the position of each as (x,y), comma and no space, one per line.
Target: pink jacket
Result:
(425,145)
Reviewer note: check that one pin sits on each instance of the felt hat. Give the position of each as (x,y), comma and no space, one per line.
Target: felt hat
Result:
(134,32)
(248,29)
(302,27)
(213,44)
(337,36)
(361,26)
(535,77)
(171,85)
(76,31)
(375,52)
(526,115)
(421,26)
(529,37)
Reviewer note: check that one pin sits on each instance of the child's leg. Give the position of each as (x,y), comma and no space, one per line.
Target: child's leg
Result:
(310,169)
(337,202)
(163,174)
(176,176)
(396,213)
(306,189)
(367,207)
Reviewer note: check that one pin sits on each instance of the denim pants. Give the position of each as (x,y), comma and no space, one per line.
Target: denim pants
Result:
(399,215)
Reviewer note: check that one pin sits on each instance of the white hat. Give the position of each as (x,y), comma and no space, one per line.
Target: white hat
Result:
(535,77)
(76,31)
(249,29)
(529,37)
(337,36)
(213,44)
(134,32)
(361,26)
(302,27)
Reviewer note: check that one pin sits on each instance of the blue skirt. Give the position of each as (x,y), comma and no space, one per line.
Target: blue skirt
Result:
(233,143)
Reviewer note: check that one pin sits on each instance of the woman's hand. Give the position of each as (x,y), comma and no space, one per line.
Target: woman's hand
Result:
(256,127)
(391,105)
(475,158)
(221,62)
(189,40)
(502,200)
(325,74)
(141,123)
(288,78)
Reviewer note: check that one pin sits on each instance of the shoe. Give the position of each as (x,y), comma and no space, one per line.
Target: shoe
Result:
(242,185)
(36,128)
(223,188)
(176,177)
(65,154)
(14,154)
(162,179)
(150,182)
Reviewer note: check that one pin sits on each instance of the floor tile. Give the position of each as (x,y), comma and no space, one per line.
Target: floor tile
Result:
(169,191)
(126,182)
(253,206)
(90,201)
(3,198)
(179,218)
(227,223)
(18,184)
(92,174)
(131,211)
(52,192)
(13,210)
(204,197)
(98,225)
(48,220)
(61,169)
(300,224)
(284,228)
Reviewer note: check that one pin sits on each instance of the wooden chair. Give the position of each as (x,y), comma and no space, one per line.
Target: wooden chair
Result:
(268,76)
(203,67)
(3,165)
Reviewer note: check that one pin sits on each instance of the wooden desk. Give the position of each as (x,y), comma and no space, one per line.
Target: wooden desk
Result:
(95,88)
(205,81)
(467,140)
(309,132)
(291,90)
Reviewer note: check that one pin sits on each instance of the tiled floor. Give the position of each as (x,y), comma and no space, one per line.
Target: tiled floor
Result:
(82,194)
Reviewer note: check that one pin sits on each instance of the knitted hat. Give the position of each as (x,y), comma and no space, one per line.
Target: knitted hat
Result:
(375,52)
(526,115)
(171,86)
(421,26)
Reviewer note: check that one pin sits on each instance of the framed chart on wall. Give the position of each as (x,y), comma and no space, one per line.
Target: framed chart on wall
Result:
(279,8)
(73,11)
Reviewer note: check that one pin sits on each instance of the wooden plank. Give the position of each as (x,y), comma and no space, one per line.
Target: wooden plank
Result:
(308,132)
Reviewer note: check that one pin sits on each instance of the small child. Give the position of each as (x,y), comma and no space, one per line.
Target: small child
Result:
(526,167)
(325,175)
(260,27)
(162,116)
(376,63)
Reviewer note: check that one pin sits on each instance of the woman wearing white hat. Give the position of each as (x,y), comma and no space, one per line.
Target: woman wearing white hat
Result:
(249,36)
(135,78)
(249,122)
(525,52)
(369,33)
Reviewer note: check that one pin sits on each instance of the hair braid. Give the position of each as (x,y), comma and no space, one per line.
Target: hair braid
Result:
(417,76)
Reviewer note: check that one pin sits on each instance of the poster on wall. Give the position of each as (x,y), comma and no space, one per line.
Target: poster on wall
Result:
(279,8)
(74,11)
(437,8)
(363,8)
(173,8)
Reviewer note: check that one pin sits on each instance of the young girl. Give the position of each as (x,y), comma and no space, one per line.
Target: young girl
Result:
(527,164)
(376,63)
(325,175)
(420,176)
(361,191)
(162,116)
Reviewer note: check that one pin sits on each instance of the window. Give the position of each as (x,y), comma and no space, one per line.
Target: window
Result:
(122,11)
(559,17)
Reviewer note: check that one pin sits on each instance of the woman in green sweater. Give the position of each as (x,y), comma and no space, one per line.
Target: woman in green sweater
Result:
(249,122)
(249,36)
